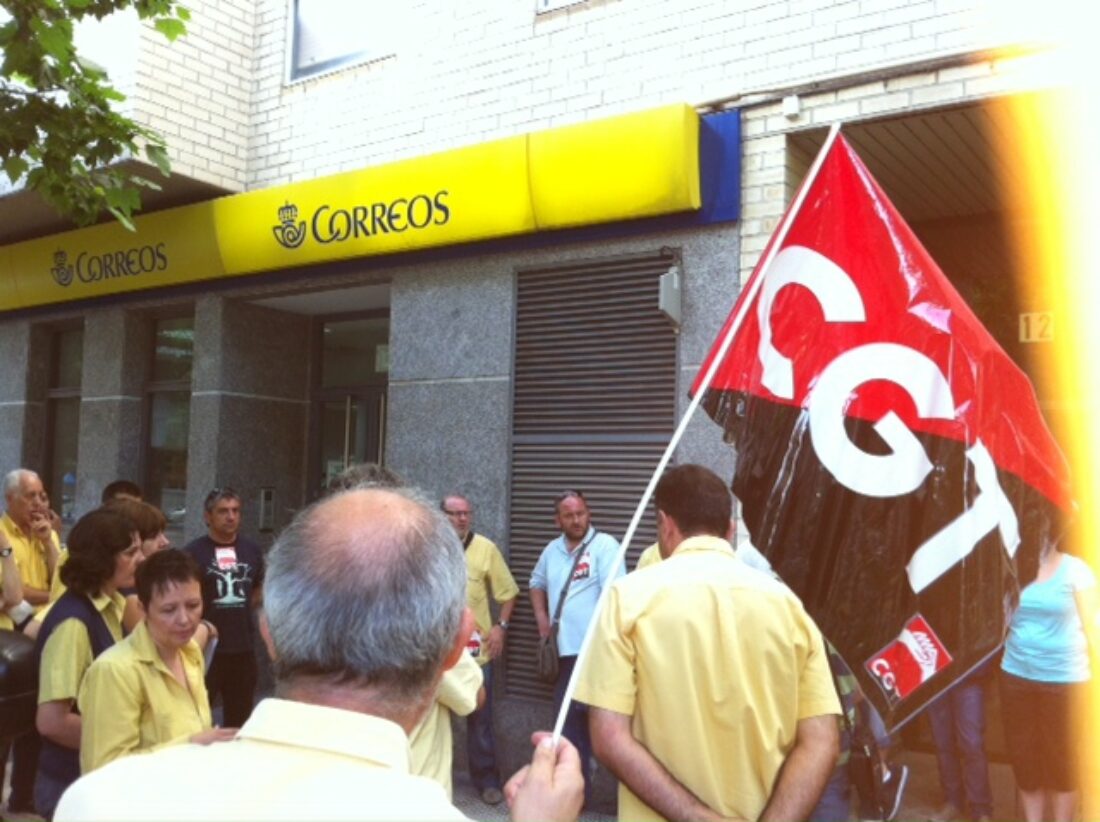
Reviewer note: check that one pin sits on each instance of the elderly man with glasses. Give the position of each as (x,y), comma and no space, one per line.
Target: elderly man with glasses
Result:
(575,566)
(486,573)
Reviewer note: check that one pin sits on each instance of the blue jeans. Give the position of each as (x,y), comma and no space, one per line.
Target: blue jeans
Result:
(480,753)
(576,722)
(835,803)
(958,726)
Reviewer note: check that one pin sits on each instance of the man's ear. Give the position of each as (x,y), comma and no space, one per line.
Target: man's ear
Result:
(466,627)
(666,541)
(731,531)
(265,633)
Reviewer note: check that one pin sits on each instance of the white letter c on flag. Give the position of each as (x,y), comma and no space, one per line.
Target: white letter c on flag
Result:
(832,288)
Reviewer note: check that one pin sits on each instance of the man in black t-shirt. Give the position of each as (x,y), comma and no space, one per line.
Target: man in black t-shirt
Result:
(233,572)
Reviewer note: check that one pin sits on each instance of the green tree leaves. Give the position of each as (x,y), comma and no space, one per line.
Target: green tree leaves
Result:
(59,134)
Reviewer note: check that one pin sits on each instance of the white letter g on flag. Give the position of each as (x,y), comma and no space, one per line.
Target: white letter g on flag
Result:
(903,470)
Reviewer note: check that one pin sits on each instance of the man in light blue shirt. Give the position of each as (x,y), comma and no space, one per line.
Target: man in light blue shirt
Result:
(592,571)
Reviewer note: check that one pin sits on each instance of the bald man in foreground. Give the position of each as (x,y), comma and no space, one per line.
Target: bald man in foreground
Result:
(364,609)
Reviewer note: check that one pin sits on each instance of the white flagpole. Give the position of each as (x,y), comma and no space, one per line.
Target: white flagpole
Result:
(708,377)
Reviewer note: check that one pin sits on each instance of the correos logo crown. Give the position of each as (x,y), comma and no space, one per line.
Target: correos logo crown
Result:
(288,232)
(62,272)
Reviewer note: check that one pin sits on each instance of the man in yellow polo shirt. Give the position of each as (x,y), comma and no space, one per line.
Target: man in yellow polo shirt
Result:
(708,685)
(35,548)
(486,572)
(26,524)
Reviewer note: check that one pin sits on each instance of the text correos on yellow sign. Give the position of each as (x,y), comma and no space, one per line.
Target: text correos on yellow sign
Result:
(635,165)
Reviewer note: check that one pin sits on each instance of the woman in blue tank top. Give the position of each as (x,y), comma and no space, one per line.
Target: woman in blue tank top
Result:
(1045,669)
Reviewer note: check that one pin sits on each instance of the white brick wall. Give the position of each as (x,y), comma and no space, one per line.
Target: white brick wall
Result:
(466,73)
(473,72)
(196,91)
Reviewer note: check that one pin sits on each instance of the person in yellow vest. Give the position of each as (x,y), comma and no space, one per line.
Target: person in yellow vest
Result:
(486,573)
(148,690)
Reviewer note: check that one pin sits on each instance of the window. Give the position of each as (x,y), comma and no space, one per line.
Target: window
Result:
(169,423)
(333,34)
(63,420)
(543,6)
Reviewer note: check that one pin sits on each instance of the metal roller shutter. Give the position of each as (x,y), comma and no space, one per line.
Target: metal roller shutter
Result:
(593,409)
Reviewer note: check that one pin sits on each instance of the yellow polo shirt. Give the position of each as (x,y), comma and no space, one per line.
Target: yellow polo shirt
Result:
(5,621)
(68,652)
(485,570)
(716,663)
(430,742)
(30,556)
(290,762)
(650,556)
(132,703)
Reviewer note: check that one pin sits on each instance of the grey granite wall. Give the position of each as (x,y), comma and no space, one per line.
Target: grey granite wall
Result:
(450,391)
(249,406)
(24,350)
(117,353)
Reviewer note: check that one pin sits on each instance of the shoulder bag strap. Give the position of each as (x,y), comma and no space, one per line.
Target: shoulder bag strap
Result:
(569,579)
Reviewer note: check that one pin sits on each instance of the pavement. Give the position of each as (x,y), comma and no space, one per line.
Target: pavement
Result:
(921,802)
(468,801)
(923,797)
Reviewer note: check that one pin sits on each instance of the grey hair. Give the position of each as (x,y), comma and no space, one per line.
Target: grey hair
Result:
(368,601)
(364,475)
(13,480)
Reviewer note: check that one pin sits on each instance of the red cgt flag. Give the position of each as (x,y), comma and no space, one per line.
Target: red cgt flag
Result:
(892,462)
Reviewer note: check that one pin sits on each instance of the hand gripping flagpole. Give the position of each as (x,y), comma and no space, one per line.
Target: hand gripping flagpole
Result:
(754,288)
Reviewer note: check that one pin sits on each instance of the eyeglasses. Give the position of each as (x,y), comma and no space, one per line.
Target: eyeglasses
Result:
(568,493)
(456,513)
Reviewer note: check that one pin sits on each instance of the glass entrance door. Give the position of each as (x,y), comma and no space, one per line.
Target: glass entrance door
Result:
(353,430)
(349,408)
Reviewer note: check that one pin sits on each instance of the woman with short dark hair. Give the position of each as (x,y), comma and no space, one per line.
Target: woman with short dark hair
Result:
(104,551)
(148,691)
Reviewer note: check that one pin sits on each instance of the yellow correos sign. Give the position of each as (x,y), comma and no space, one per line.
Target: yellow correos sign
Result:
(168,248)
(635,165)
(468,194)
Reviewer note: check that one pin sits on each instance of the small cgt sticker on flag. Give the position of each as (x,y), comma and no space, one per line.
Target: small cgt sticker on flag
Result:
(910,660)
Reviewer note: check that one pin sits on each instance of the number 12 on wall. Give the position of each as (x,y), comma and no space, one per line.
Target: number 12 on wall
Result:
(1037,326)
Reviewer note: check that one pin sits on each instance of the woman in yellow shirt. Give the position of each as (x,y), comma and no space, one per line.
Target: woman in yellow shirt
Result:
(147,691)
(104,551)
